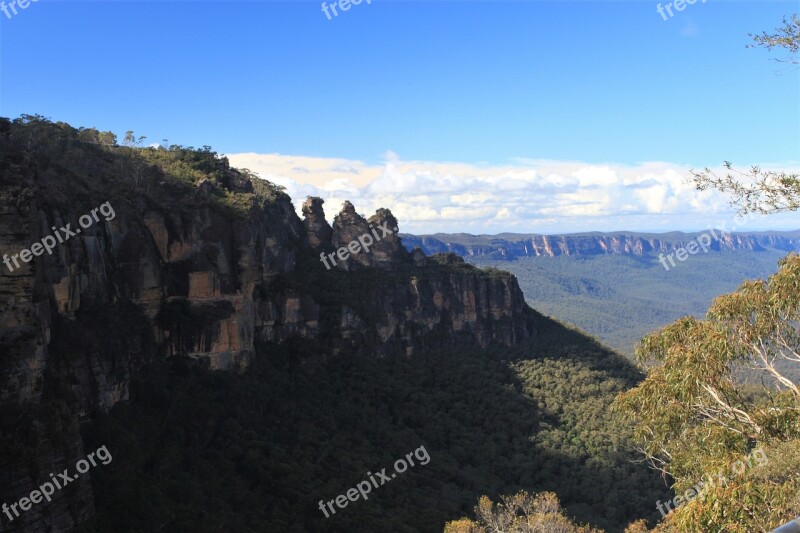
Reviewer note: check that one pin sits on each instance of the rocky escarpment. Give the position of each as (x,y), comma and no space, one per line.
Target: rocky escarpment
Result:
(596,244)
(197,260)
(397,301)
(381,229)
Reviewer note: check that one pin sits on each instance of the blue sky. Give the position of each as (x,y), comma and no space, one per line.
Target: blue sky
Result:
(482,86)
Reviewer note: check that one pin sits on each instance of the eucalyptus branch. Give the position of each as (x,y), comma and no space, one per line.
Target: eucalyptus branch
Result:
(754,191)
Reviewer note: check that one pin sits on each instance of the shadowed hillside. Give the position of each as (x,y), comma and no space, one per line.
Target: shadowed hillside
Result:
(258,451)
(236,381)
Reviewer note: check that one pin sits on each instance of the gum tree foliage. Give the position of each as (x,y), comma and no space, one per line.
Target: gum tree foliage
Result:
(285,435)
(786,36)
(93,136)
(519,513)
(757,190)
(96,156)
(131,140)
(691,396)
(692,416)
(37,132)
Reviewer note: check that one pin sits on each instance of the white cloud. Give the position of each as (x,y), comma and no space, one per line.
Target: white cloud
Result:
(654,197)
(531,196)
(602,176)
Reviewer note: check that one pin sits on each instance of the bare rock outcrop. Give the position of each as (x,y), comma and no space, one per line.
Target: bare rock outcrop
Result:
(318,230)
(377,238)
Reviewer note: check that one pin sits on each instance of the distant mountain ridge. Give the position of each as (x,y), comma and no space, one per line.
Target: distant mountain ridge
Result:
(512,245)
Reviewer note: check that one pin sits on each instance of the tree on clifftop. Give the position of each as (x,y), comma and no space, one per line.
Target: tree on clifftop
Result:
(757,190)
(694,416)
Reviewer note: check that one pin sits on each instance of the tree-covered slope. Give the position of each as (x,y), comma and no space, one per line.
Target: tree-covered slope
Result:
(237,382)
(256,452)
(621,298)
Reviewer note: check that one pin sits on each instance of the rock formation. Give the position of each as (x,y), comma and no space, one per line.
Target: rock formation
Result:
(581,245)
(205,270)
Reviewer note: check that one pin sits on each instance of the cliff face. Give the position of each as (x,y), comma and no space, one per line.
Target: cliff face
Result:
(398,301)
(205,269)
(629,244)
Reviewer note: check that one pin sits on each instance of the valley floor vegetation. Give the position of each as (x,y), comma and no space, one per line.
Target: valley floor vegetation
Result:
(254,451)
(621,298)
(730,449)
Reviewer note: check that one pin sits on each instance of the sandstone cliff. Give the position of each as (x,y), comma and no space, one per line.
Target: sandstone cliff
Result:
(510,247)
(199,260)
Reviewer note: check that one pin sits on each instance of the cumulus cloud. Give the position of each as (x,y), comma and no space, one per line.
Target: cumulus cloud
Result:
(527,196)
